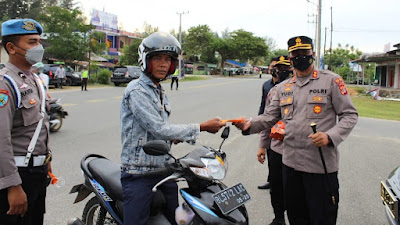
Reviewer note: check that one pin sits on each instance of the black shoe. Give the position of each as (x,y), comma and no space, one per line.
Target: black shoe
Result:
(278,222)
(265,186)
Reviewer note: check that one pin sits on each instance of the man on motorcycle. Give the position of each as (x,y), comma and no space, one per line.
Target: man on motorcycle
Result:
(145,110)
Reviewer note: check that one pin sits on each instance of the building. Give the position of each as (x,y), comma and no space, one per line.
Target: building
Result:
(387,70)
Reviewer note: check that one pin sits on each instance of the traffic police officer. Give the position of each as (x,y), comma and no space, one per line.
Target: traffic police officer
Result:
(24,146)
(272,141)
(85,78)
(310,96)
(175,78)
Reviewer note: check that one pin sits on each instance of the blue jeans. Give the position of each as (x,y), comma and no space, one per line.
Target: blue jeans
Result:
(137,196)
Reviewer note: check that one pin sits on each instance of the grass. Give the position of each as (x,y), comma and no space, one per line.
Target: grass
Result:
(194,78)
(368,107)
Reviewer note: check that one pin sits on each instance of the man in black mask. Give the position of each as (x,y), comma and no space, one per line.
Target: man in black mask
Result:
(272,141)
(311,185)
(266,88)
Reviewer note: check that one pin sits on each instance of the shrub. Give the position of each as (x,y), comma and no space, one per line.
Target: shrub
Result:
(103,76)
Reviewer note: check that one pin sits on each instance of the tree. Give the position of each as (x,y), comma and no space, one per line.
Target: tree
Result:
(248,46)
(131,56)
(225,49)
(67,34)
(198,43)
(340,59)
(148,29)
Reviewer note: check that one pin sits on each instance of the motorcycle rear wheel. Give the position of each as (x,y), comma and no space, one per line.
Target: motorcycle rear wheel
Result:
(95,214)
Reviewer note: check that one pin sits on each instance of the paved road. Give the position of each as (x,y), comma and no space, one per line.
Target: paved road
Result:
(367,157)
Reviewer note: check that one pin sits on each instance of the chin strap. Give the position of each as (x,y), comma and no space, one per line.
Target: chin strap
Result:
(155,79)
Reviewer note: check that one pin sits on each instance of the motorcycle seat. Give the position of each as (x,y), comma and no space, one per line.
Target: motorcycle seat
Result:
(108,174)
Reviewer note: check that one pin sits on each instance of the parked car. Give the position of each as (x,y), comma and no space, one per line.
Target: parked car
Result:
(124,74)
(73,78)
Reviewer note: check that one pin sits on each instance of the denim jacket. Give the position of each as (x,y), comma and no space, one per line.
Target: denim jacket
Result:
(144,117)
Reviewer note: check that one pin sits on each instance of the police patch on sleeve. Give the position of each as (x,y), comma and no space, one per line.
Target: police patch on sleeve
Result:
(3,98)
(341,85)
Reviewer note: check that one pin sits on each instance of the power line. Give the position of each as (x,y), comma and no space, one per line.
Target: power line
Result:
(365,30)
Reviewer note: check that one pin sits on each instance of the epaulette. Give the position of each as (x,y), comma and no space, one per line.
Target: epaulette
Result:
(16,90)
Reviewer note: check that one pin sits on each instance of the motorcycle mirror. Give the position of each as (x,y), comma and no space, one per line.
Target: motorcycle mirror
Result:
(225,133)
(156,148)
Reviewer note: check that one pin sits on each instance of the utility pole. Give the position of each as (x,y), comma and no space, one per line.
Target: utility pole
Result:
(324,49)
(180,40)
(330,48)
(319,34)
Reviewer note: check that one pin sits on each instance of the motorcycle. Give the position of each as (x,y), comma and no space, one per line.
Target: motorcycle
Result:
(206,199)
(56,114)
(390,195)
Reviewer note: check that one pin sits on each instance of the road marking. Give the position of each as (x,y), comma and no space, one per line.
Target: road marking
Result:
(118,97)
(68,104)
(96,100)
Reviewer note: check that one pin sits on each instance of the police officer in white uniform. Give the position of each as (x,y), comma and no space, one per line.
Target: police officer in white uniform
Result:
(24,144)
(318,96)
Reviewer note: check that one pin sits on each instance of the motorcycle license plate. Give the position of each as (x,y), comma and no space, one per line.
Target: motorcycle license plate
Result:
(231,198)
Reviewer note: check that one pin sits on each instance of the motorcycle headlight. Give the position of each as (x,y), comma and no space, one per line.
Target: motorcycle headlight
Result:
(216,167)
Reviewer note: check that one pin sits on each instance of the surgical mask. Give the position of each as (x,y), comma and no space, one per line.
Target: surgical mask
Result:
(34,55)
(284,74)
(302,62)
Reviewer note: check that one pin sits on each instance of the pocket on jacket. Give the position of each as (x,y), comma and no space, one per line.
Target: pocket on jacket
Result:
(286,105)
(316,106)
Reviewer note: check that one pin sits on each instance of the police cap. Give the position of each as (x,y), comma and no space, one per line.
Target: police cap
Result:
(283,60)
(21,27)
(299,42)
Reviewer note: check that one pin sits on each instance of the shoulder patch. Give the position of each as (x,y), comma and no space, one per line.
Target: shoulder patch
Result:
(342,86)
(3,98)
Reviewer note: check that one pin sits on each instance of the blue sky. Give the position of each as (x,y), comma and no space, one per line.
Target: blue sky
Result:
(367,25)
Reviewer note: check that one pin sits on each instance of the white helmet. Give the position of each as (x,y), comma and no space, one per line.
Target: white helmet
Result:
(158,42)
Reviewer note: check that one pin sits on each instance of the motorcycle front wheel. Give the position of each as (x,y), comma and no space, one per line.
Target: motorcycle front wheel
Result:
(56,127)
(95,214)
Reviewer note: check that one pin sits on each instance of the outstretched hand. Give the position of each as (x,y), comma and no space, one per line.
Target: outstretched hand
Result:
(245,124)
(212,125)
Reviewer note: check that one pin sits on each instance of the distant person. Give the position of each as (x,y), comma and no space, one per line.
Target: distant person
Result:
(38,69)
(265,89)
(60,75)
(260,72)
(175,78)
(84,78)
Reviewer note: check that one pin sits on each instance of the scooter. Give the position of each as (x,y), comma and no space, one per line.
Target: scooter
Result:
(206,199)
(56,114)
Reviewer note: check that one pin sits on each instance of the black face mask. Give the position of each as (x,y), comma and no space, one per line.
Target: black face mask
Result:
(284,74)
(302,62)
(273,72)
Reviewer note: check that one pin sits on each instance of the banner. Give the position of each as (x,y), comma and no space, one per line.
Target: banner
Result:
(104,21)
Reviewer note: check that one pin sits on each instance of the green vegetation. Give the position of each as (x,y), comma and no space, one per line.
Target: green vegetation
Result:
(368,107)
(194,78)
(104,76)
